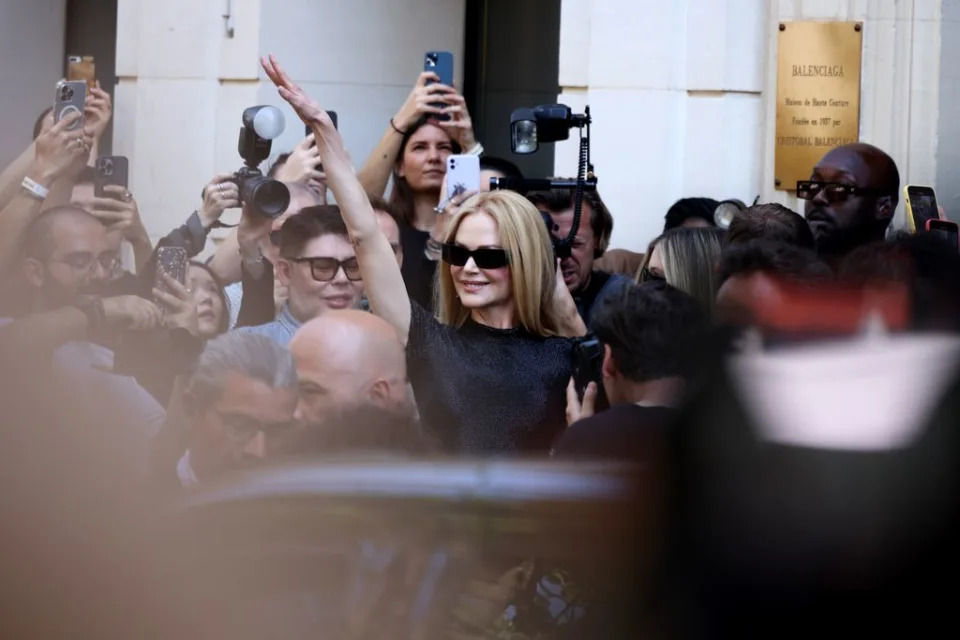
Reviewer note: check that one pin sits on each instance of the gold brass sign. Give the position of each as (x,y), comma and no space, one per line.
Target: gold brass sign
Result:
(818,95)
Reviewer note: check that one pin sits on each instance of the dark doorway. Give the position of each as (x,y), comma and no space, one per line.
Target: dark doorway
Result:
(92,31)
(511,60)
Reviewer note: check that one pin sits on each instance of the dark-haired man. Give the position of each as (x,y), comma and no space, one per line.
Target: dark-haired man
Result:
(851,198)
(318,266)
(771,221)
(586,284)
(648,331)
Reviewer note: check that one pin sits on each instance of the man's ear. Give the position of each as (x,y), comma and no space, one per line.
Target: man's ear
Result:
(609,367)
(380,392)
(283,268)
(885,208)
(33,272)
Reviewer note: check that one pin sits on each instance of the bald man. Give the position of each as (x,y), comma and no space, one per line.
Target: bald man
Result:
(347,359)
(844,219)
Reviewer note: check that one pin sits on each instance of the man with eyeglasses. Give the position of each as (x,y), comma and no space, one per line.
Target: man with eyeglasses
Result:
(55,342)
(235,410)
(850,198)
(318,266)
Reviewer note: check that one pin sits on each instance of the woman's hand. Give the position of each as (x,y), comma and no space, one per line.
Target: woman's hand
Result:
(301,166)
(98,111)
(180,311)
(579,409)
(422,100)
(459,126)
(220,194)
(60,151)
(119,213)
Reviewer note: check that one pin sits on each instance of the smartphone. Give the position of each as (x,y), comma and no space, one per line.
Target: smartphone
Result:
(441,63)
(171,261)
(110,170)
(333,116)
(945,229)
(921,206)
(82,68)
(588,367)
(463,174)
(70,97)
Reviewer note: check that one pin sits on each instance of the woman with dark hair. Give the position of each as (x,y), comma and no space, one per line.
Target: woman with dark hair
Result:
(207,294)
(414,151)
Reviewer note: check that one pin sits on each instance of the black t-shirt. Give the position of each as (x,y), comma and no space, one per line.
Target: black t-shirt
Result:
(417,270)
(485,390)
(623,432)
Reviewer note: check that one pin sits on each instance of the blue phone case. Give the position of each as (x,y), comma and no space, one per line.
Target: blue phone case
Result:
(441,63)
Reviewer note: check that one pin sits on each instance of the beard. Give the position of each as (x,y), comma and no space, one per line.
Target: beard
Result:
(833,240)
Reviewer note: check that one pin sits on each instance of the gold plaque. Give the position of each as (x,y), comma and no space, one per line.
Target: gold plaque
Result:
(818,95)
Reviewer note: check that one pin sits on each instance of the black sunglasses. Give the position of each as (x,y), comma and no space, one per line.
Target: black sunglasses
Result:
(325,269)
(832,191)
(484,258)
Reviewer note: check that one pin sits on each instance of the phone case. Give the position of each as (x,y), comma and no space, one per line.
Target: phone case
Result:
(70,97)
(110,170)
(82,68)
(463,174)
(171,261)
(921,206)
(441,63)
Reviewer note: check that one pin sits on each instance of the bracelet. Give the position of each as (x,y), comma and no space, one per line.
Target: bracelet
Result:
(248,261)
(396,128)
(34,189)
(475,150)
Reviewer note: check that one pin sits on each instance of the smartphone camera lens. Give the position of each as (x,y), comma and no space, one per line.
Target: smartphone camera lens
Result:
(431,59)
(66,93)
(108,167)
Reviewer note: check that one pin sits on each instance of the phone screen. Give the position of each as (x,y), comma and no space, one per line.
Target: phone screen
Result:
(946,231)
(923,204)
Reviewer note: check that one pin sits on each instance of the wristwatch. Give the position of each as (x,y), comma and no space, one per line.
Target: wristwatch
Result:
(92,307)
(251,261)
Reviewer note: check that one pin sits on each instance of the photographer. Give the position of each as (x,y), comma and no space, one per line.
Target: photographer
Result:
(587,285)
(414,151)
(648,331)
(489,376)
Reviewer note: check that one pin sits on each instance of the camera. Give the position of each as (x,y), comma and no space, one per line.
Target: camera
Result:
(266,196)
(66,93)
(550,123)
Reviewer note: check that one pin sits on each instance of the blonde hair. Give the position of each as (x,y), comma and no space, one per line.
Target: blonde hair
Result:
(690,257)
(532,270)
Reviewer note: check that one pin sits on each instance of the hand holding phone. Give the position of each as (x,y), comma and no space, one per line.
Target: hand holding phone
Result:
(82,68)
(946,230)
(70,98)
(440,63)
(110,170)
(921,203)
(172,262)
(463,175)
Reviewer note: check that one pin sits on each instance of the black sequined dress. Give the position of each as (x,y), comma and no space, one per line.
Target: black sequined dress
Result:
(483,390)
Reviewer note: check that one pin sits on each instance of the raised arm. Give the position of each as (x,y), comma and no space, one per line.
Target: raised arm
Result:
(378,264)
(375,172)
(60,154)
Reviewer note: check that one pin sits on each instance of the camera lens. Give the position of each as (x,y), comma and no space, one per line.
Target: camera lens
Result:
(268,197)
(108,167)
(66,94)
(431,59)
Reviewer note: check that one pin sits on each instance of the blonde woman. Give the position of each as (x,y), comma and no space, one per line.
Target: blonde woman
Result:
(490,373)
(687,259)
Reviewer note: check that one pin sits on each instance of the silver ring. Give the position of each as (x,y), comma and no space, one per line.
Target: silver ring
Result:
(127,196)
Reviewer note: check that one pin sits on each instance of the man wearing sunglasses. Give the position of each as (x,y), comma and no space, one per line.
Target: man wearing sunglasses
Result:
(850,198)
(318,266)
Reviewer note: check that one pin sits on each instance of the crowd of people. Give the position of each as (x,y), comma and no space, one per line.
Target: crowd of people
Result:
(409,323)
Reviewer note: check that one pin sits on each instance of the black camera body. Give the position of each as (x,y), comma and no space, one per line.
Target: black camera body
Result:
(265,196)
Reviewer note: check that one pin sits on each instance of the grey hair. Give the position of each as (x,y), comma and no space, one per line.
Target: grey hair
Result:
(252,356)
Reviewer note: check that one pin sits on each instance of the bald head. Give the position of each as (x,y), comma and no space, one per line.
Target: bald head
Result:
(347,358)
